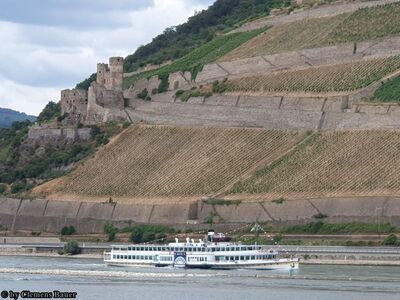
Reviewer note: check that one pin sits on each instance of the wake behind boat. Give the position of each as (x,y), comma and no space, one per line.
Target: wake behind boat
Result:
(215,252)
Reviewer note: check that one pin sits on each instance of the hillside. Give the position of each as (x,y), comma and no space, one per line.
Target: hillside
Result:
(365,24)
(8,116)
(170,161)
(332,78)
(284,118)
(340,163)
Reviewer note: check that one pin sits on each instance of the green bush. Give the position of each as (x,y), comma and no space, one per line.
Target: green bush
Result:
(340,228)
(147,233)
(20,187)
(72,247)
(391,240)
(143,94)
(320,216)
(279,200)
(68,230)
(111,231)
(52,110)
(164,84)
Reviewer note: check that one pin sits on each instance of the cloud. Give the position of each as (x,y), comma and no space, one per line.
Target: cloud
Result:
(48,45)
(70,13)
(26,98)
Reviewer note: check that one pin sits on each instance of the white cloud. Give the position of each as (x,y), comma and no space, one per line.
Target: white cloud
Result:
(37,59)
(26,98)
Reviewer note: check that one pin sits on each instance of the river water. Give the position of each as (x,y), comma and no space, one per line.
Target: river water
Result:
(91,279)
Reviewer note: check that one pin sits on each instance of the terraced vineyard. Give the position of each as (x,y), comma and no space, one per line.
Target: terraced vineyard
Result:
(196,59)
(362,25)
(335,78)
(160,161)
(332,163)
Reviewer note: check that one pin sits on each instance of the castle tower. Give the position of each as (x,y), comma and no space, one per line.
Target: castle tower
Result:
(116,74)
(102,70)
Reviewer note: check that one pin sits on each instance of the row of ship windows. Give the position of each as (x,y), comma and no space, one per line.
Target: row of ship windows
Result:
(138,257)
(241,257)
(188,249)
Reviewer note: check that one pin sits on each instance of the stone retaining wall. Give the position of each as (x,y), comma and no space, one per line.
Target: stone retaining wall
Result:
(279,112)
(262,65)
(88,217)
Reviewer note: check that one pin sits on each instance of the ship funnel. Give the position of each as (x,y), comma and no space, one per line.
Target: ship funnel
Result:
(192,241)
(176,240)
(187,240)
(210,235)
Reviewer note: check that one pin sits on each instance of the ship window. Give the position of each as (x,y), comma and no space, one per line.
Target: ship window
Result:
(150,257)
(185,249)
(130,248)
(242,258)
(253,257)
(114,256)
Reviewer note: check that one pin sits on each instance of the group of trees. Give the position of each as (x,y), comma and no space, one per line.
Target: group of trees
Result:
(175,42)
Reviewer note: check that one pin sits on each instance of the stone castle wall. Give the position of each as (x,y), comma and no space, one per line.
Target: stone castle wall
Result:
(48,134)
(90,217)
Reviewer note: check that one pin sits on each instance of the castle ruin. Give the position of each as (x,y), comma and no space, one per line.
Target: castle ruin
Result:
(103,102)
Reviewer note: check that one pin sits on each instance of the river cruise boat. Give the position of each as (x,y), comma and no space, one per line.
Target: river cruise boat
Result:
(215,252)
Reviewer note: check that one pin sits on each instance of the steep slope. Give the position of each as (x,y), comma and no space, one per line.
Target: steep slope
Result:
(170,161)
(365,24)
(331,78)
(340,163)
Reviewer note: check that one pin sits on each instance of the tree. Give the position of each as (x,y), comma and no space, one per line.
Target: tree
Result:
(52,110)
(72,247)
(391,240)
(68,230)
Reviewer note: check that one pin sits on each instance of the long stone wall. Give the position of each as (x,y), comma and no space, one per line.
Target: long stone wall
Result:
(279,112)
(88,217)
(49,134)
(301,59)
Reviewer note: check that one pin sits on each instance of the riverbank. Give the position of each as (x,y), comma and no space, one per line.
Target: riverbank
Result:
(314,256)
(350,262)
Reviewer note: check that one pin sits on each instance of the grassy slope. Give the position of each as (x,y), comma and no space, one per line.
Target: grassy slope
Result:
(388,92)
(362,25)
(336,78)
(332,163)
(165,161)
(196,59)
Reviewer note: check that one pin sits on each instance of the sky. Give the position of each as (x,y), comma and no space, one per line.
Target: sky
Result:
(50,45)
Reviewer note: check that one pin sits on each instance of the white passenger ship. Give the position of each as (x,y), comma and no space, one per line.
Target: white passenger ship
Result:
(214,253)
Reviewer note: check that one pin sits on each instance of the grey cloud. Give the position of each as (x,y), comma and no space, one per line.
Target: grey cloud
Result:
(71,13)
